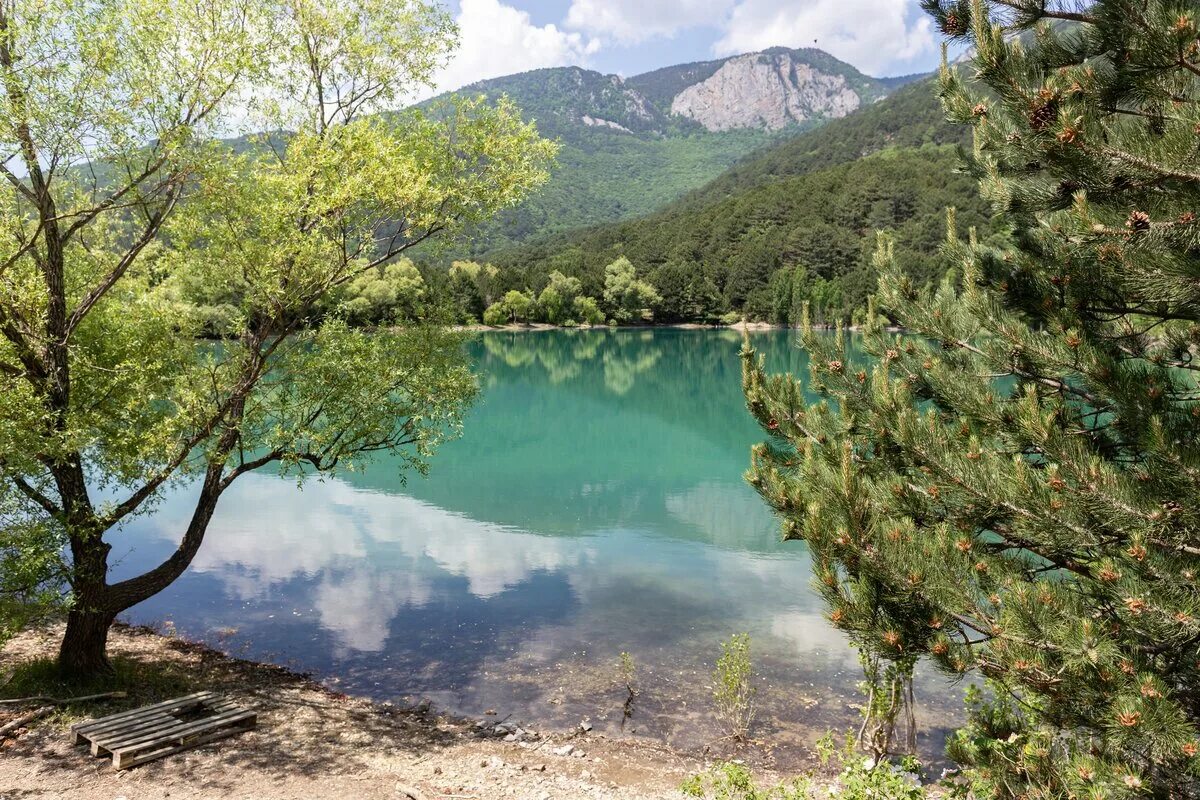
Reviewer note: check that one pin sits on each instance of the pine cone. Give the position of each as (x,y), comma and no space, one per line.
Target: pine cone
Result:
(1138,222)
(954,24)
(1045,110)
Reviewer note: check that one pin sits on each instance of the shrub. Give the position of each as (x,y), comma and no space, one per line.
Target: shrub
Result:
(733,692)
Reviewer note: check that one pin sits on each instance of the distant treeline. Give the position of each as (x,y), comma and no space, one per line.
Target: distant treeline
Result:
(795,223)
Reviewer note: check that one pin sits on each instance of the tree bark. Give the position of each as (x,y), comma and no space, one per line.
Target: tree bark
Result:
(82,652)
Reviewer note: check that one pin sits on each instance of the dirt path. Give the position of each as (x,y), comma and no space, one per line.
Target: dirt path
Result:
(314,743)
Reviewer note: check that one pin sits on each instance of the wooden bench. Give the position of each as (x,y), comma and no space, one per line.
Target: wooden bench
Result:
(144,734)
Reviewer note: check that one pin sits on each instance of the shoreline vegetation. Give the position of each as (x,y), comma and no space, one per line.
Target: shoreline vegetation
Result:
(313,741)
(534,327)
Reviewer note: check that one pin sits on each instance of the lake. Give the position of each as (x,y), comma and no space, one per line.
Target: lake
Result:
(595,505)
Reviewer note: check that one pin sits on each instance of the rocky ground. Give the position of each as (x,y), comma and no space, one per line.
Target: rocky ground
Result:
(315,743)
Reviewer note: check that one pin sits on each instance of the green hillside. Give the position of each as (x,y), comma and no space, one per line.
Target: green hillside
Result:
(604,176)
(623,153)
(812,202)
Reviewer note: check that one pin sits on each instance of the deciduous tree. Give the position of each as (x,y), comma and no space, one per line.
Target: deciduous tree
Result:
(627,297)
(115,182)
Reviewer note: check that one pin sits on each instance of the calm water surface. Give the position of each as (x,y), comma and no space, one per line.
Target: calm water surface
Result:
(595,505)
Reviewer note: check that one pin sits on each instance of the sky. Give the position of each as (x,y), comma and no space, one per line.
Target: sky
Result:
(628,37)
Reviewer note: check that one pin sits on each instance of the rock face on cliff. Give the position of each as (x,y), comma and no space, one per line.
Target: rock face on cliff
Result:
(765,90)
(632,144)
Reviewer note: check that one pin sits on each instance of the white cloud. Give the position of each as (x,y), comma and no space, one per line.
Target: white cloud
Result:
(634,21)
(877,36)
(497,39)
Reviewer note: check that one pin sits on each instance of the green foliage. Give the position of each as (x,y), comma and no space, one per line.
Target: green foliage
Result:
(627,672)
(687,293)
(733,686)
(470,288)
(143,683)
(626,297)
(495,315)
(857,779)
(123,204)
(1012,490)
(867,778)
(607,174)
(558,298)
(513,307)
(30,570)
(390,292)
(861,780)
(587,311)
(811,202)
(733,781)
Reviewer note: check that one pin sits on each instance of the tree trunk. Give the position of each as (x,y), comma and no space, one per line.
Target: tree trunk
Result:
(82,653)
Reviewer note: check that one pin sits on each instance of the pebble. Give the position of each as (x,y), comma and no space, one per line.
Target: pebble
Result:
(565,750)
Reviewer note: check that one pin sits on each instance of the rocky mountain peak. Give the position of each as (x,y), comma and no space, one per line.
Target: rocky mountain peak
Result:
(768,90)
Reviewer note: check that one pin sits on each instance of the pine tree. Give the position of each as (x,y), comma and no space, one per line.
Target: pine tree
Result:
(1012,488)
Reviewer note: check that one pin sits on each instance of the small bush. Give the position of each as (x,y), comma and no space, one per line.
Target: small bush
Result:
(733,691)
(859,779)
(495,315)
(732,781)
(627,672)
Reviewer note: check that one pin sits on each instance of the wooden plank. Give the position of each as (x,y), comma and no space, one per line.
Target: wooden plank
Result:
(163,706)
(137,733)
(124,761)
(184,729)
(113,739)
(103,740)
(166,706)
(120,725)
(104,743)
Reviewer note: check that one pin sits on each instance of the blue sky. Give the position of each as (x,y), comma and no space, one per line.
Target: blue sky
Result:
(626,37)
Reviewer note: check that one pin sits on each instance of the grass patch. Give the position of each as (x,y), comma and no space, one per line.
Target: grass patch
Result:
(143,682)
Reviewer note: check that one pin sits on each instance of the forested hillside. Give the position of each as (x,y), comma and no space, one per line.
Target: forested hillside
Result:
(626,151)
(795,222)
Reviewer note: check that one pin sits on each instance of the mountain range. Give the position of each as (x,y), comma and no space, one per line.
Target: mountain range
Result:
(631,145)
(810,204)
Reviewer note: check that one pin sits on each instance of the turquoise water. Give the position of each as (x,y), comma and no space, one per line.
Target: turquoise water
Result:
(595,505)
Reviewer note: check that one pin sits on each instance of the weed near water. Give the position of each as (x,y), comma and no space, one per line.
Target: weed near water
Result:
(733,781)
(733,689)
(857,778)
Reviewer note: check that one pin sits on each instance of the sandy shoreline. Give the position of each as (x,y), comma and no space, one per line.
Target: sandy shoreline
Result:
(313,742)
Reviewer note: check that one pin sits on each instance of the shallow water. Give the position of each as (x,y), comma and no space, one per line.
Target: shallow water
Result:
(595,505)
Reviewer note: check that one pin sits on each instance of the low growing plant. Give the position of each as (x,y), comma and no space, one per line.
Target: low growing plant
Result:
(627,672)
(733,691)
(858,778)
(733,781)
(870,777)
